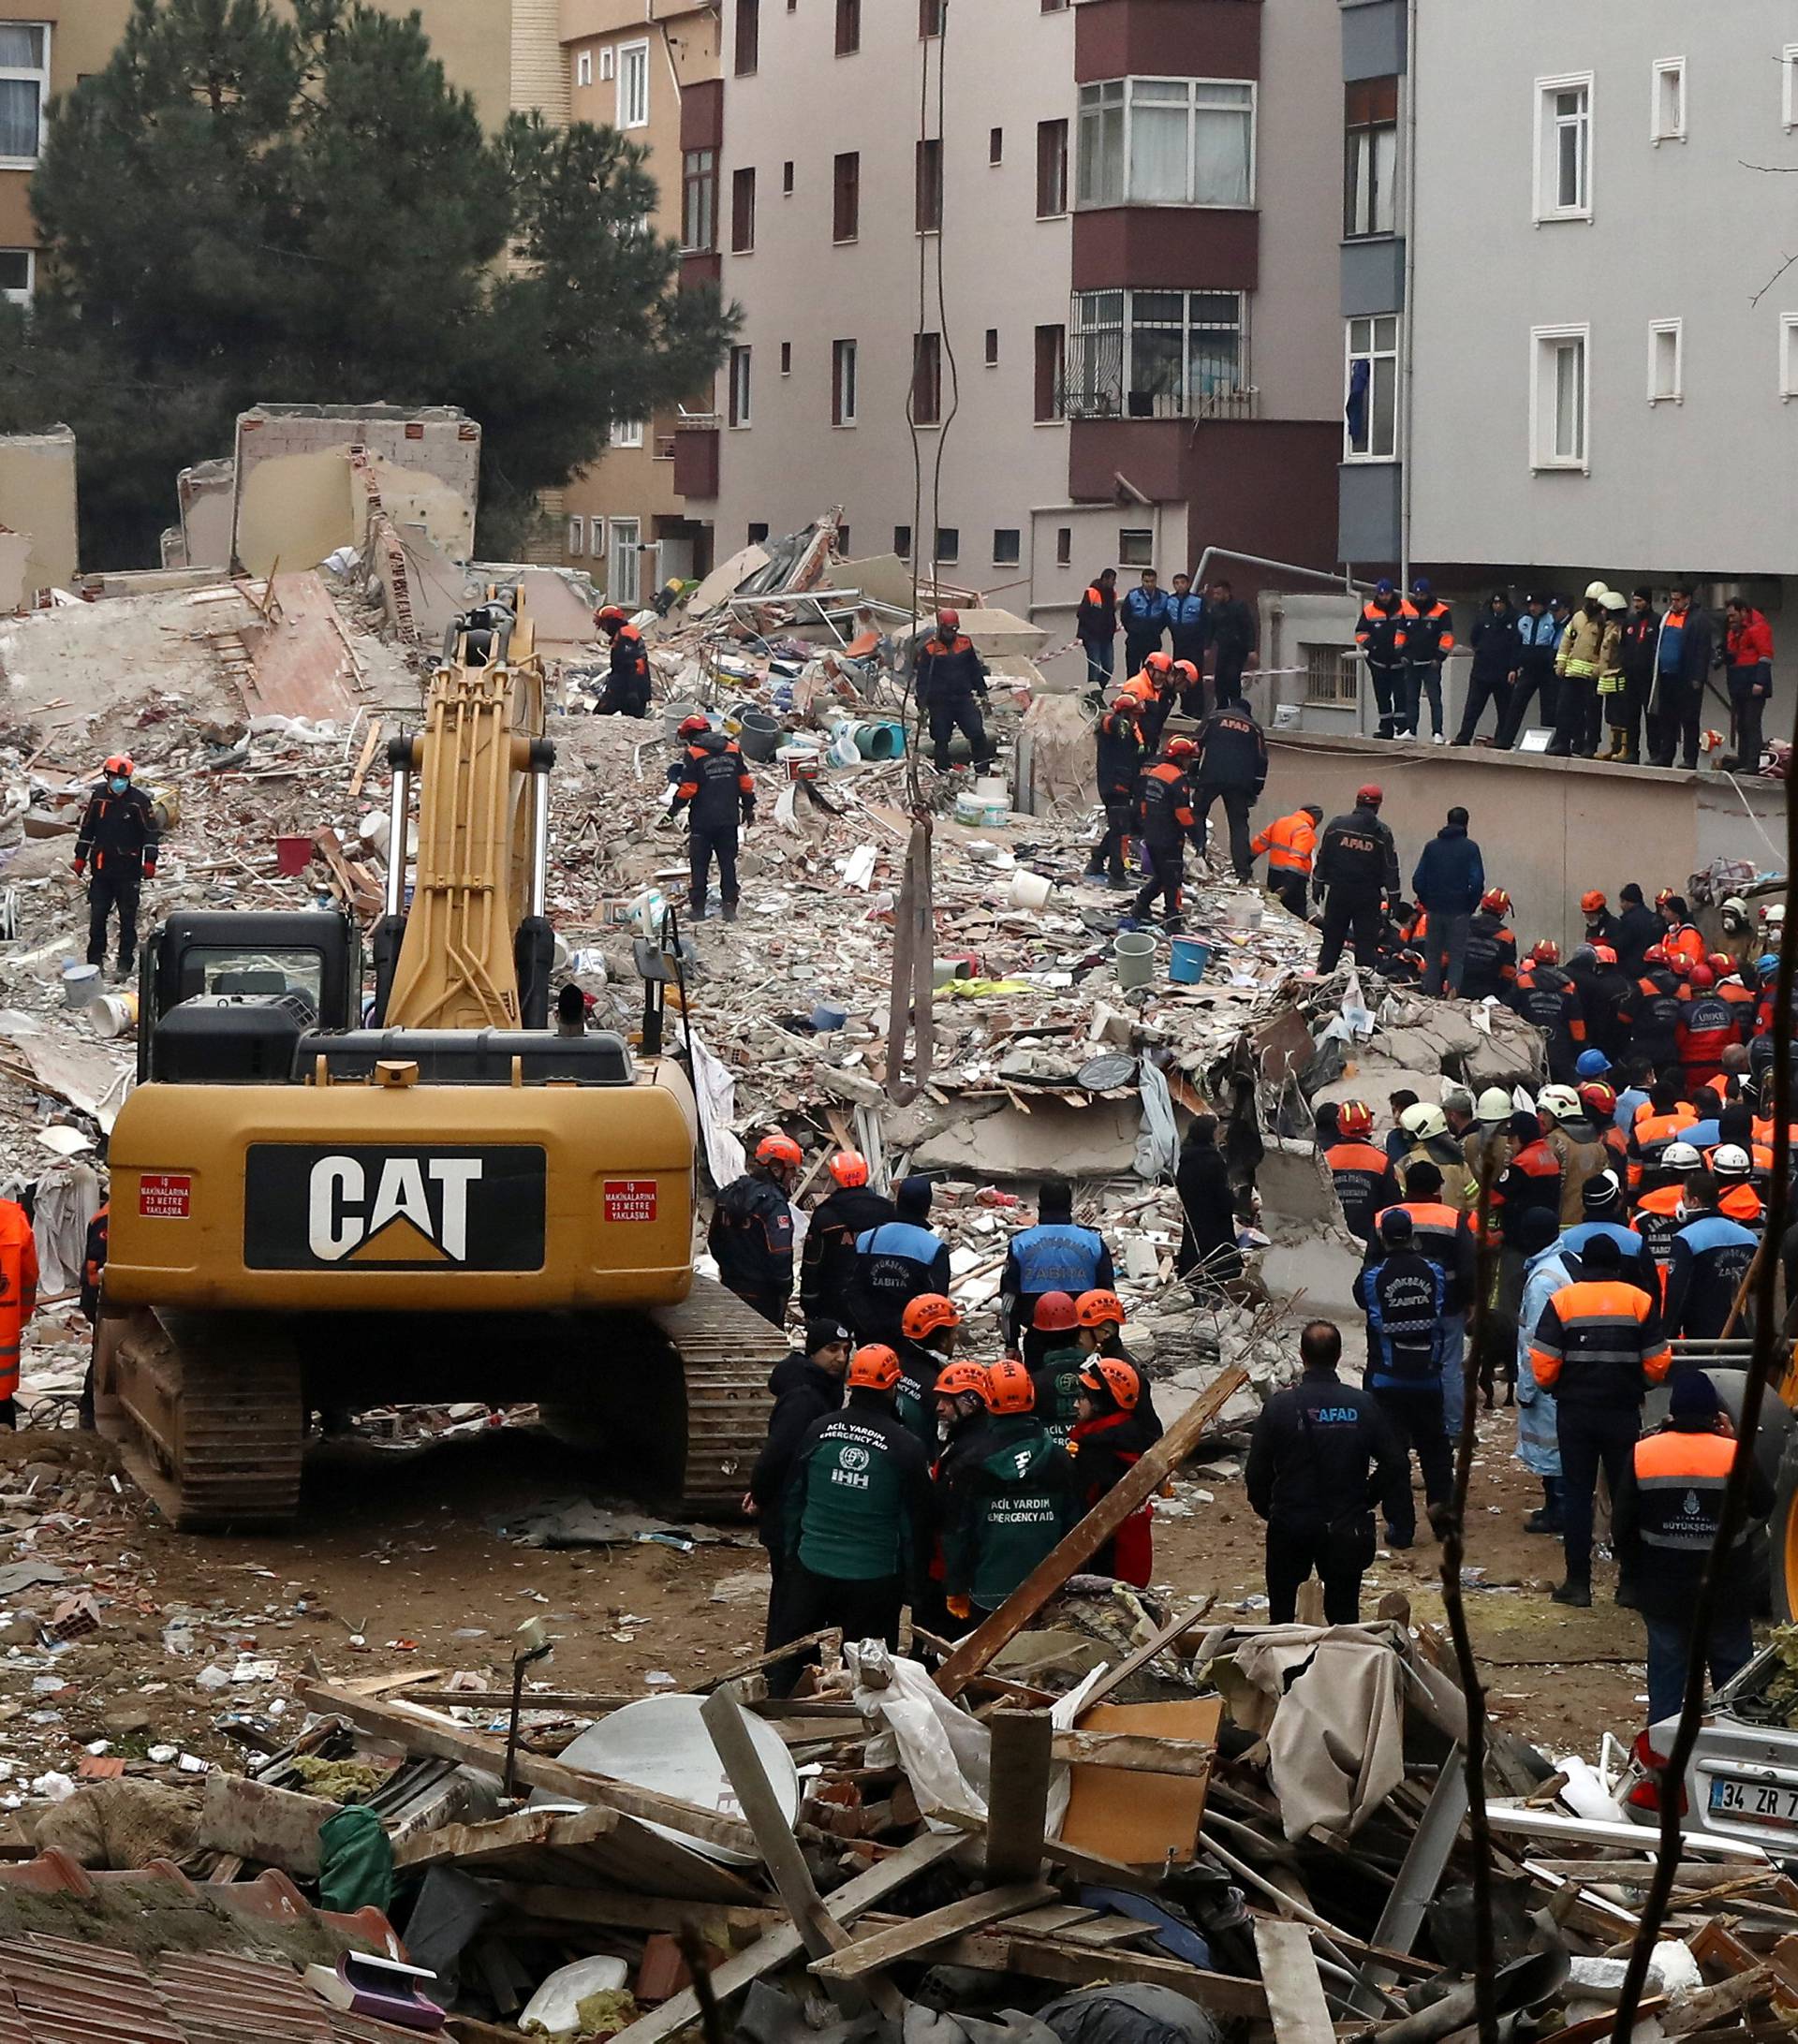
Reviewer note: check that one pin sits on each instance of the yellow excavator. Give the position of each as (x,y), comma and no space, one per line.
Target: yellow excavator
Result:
(320,1209)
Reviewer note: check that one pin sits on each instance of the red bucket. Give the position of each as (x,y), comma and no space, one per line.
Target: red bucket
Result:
(292,856)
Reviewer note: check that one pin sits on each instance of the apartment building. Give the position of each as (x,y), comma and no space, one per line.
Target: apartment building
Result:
(1579,355)
(1076,247)
(646,67)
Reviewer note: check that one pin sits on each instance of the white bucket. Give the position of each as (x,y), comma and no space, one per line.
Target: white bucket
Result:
(81,984)
(992,787)
(113,1014)
(1031,889)
(1133,958)
(982,812)
(646,912)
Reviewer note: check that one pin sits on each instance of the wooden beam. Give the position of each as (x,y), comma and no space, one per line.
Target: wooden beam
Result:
(419,1732)
(1174,1630)
(616,1909)
(920,1935)
(1138,1751)
(1017,1799)
(1295,2002)
(1048,1958)
(1083,1541)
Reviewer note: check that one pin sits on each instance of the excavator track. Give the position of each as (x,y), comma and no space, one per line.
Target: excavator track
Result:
(209,1413)
(727,1351)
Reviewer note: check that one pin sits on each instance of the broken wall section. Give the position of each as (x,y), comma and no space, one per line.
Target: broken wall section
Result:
(38,507)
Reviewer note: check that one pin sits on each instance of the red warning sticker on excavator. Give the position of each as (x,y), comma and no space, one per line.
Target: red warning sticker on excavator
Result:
(630,1198)
(163,1196)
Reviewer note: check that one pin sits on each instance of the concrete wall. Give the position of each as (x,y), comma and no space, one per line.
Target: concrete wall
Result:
(1706,486)
(38,498)
(1547,828)
(207,494)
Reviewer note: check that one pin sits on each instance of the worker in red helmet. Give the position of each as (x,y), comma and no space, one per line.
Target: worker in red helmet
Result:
(1165,807)
(827,1261)
(1121,753)
(119,838)
(1357,879)
(1548,997)
(626,690)
(1117,1425)
(1707,1027)
(951,687)
(751,1235)
(1489,969)
(1057,1327)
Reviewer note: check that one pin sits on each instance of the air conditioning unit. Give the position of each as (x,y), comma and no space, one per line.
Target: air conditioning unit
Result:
(607,63)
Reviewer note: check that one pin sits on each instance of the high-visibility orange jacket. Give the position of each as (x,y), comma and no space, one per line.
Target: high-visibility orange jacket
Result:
(1290,842)
(18,1289)
(1598,1344)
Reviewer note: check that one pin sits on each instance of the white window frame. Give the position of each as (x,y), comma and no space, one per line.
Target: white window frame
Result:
(17,73)
(1663,67)
(1788,364)
(21,296)
(1546,207)
(626,433)
(845,387)
(1543,460)
(625,582)
(1656,330)
(633,104)
(1195,93)
(1373,352)
(1789,86)
(597,539)
(583,68)
(577,537)
(608,64)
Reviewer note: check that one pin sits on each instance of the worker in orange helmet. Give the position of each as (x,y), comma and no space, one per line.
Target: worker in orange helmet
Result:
(951,685)
(751,1235)
(1158,686)
(849,1210)
(17,1301)
(119,838)
(626,690)
(1008,1496)
(1115,1428)
(1600,925)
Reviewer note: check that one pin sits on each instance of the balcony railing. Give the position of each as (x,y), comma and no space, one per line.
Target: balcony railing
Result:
(1232,403)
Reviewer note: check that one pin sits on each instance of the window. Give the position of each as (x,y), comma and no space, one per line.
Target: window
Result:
(949,544)
(24,85)
(1052,169)
(627,432)
(583,68)
(18,274)
(1156,355)
(596,539)
(845,197)
(1666,366)
(842,383)
(1789,355)
(748,36)
(1167,142)
(1135,547)
(930,17)
(1055,7)
(624,581)
(633,85)
(1064,534)
(928,180)
(992,347)
(1564,148)
(577,537)
(1559,397)
(787,178)
(902,541)
(926,379)
(1370,410)
(1370,158)
(742,211)
(1789,85)
(995,145)
(1051,371)
(740,386)
(1331,674)
(843,541)
(757,531)
(699,200)
(849,28)
(1667,104)
(1008,546)
(786,358)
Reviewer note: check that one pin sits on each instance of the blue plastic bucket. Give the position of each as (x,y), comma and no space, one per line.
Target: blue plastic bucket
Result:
(1188,961)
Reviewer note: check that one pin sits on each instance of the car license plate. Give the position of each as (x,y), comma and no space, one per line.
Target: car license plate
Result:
(1753,1801)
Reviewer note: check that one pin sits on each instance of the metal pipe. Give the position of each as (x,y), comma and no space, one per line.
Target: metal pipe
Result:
(397,804)
(1345,582)
(540,842)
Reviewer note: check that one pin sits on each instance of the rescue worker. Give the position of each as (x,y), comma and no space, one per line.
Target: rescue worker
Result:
(1380,634)
(951,685)
(1741,940)
(1681,939)
(1155,688)
(1144,614)
(1403,1293)
(1737,1200)
(1604,1212)
(1531,1175)
(1658,1002)
(1429,640)
(1547,997)
(17,1301)
(827,1262)
(1357,872)
(856,1516)
(1450,883)
(1365,1182)
(807,1387)
(1120,769)
(1496,647)
(1290,843)
(1490,1135)
(1321,1458)
(928,1330)
(1431,1140)
(1208,1249)
(1444,1233)
(1166,810)
(1608,1002)
(1575,1143)
(1707,1267)
(1666,1120)
(1539,638)
(1597,1347)
(1115,1425)
(1639,630)
(1096,627)
(119,837)
(1587,646)
(1489,969)
(1747,662)
(93,1269)
(1732,986)
(1659,1213)
(1010,1497)
(688,730)
(1231,769)
(718,793)
(1638,927)
(1664,1522)
(1055,1254)
(1232,624)
(751,1235)
(1600,925)
(1056,1372)
(627,686)
(1189,626)
(1707,1028)
(895,1262)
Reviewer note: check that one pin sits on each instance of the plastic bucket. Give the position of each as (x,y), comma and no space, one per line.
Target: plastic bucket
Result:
(759,736)
(113,1014)
(676,714)
(80,983)
(1133,958)
(826,1019)
(1188,960)
(982,812)
(1031,889)
(879,740)
(292,856)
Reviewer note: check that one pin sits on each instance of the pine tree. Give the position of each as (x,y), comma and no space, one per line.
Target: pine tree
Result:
(241,209)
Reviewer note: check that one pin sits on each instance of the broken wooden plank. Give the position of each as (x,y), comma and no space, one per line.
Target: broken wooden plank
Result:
(616,1908)
(1049,1922)
(1017,1802)
(274,1827)
(1135,1752)
(1174,1630)
(1084,1540)
(1051,1959)
(1296,2003)
(922,1934)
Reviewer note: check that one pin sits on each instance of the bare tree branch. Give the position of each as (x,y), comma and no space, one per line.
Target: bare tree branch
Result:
(1771,281)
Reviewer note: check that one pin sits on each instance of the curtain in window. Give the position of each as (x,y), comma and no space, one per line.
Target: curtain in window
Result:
(18,117)
(1220,148)
(1158,148)
(21,48)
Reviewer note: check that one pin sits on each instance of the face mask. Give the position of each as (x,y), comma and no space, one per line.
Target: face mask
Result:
(118,783)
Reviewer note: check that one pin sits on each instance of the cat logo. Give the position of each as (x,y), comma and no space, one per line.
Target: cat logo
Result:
(416,1210)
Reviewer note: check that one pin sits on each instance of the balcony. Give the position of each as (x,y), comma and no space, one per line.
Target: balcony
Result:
(696,458)
(1233,402)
